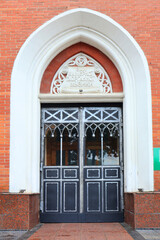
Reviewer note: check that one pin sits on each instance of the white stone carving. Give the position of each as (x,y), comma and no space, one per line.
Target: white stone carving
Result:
(81,74)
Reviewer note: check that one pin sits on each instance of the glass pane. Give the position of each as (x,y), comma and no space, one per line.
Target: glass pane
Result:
(93,148)
(70,148)
(110,149)
(52,149)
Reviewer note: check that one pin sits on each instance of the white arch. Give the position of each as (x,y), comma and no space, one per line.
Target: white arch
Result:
(39,49)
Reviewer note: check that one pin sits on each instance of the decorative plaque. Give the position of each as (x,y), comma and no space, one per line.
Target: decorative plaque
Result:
(81,74)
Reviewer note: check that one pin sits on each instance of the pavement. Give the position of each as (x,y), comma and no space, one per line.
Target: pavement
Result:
(11,235)
(81,231)
(150,234)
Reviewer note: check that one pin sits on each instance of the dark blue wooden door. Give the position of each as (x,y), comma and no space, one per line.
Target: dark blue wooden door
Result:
(81,165)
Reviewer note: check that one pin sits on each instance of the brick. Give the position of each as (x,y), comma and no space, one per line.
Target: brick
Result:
(19,20)
(19,211)
(81,231)
(144,211)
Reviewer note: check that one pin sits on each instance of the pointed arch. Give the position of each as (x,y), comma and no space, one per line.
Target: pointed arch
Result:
(40,48)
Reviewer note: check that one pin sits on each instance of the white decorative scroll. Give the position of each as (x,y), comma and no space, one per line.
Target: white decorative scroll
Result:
(81,74)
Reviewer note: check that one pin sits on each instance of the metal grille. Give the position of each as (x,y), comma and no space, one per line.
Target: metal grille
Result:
(102,115)
(102,119)
(61,120)
(60,115)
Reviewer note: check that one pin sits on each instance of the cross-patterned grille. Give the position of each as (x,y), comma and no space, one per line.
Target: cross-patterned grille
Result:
(60,115)
(101,114)
(94,118)
(60,120)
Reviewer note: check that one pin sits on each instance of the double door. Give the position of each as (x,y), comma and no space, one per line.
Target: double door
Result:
(81,165)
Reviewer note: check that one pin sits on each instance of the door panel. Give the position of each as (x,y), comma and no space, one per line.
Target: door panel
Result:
(111,196)
(51,189)
(81,165)
(70,173)
(51,173)
(70,197)
(93,197)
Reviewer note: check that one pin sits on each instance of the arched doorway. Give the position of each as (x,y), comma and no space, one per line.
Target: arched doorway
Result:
(41,47)
(81,143)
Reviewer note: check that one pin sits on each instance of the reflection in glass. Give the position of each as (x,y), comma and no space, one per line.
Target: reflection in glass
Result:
(52,149)
(102,147)
(110,149)
(70,148)
(93,148)
(61,146)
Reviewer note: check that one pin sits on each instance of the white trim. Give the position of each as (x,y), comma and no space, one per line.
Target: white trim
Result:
(70,98)
(39,49)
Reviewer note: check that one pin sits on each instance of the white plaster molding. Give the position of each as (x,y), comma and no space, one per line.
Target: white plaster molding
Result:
(81,74)
(72,98)
(39,49)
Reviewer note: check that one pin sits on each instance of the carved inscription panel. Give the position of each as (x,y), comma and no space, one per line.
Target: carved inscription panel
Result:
(81,79)
(81,74)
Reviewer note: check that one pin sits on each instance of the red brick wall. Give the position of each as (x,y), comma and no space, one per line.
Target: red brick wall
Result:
(19,211)
(157,180)
(71,51)
(20,18)
(141,210)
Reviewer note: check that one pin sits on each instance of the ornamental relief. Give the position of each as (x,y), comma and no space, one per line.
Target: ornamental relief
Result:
(81,74)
